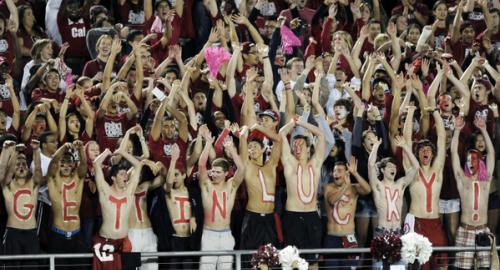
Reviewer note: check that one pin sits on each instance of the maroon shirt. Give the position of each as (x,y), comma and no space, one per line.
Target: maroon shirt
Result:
(39,93)
(109,129)
(74,32)
(7,47)
(162,149)
(93,67)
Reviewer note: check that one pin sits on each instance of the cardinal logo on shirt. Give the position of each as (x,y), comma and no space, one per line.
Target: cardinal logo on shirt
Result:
(113,130)
(4,45)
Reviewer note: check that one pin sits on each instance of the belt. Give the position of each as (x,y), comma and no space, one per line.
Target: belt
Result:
(65,233)
(473,228)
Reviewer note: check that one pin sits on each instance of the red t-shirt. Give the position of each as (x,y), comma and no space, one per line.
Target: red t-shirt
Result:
(7,47)
(109,129)
(93,67)
(162,150)
(74,32)
(39,93)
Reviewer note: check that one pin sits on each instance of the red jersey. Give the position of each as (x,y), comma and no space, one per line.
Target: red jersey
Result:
(74,32)
(39,93)
(109,129)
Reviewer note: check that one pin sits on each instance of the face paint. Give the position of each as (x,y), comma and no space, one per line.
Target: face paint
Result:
(297,146)
(472,163)
(444,103)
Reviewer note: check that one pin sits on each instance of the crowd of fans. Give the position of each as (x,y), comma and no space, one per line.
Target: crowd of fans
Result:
(183,125)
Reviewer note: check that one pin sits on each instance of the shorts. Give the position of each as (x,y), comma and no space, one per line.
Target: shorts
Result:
(432,229)
(365,207)
(179,243)
(67,242)
(466,237)
(449,206)
(144,240)
(303,230)
(335,261)
(217,240)
(257,230)
(493,201)
(107,252)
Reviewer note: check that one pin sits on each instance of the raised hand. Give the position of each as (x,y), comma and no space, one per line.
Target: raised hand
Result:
(480,123)
(400,141)
(77,144)
(352,166)
(175,152)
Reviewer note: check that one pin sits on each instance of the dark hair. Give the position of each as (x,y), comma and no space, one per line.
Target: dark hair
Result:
(343,102)
(303,137)
(474,136)
(172,69)
(43,137)
(437,3)
(257,140)
(133,33)
(221,162)
(383,163)
(495,10)
(340,163)
(114,169)
(423,143)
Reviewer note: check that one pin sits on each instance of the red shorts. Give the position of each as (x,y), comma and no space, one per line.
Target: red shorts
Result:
(107,253)
(433,229)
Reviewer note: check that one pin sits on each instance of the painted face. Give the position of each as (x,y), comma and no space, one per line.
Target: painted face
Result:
(445,103)
(425,155)
(389,171)
(300,148)
(339,174)
(472,163)
(340,112)
(120,179)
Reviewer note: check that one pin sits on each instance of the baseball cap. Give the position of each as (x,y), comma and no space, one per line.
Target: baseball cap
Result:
(274,115)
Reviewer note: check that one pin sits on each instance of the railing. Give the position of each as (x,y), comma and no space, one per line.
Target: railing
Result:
(238,254)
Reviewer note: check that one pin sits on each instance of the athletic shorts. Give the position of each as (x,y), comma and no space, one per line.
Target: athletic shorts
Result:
(107,253)
(493,201)
(449,206)
(433,229)
(144,240)
(66,242)
(257,230)
(341,261)
(365,207)
(303,230)
(466,237)
(217,240)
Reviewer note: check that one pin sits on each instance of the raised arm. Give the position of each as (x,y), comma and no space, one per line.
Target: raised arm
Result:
(100,181)
(490,158)
(171,169)
(396,48)
(239,174)
(82,166)
(455,158)
(62,113)
(286,152)
(463,89)
(202,165)
(16,116)
(319,148)
(457,22)
(362,187)
(411,172)
(8,153)
(441,141)
(372,167)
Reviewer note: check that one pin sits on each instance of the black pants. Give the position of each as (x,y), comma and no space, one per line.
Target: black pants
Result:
(17,242)
(74,244)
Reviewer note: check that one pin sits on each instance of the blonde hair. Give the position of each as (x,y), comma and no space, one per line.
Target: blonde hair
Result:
(380,40)
(346,36)
(38,47)
(101,38)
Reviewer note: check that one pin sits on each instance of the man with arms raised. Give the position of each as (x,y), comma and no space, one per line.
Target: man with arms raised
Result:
(340,200)
(218,200)
(117,203)
(473,184)
(388,193)
(423,217)
(259,227)
(65,183)
(180,210)
(20,190)
(301,222)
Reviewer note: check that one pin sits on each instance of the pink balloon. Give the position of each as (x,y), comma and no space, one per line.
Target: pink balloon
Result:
(215,57)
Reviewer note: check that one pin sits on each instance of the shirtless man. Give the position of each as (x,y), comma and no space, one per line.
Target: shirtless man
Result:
(117,203)
(388,194)
(20,190)
(301,222)
(179,209)
(259,226)
(65,184)
(140,232)
(340,200)
(473,183)
(218,195)
(423,217)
